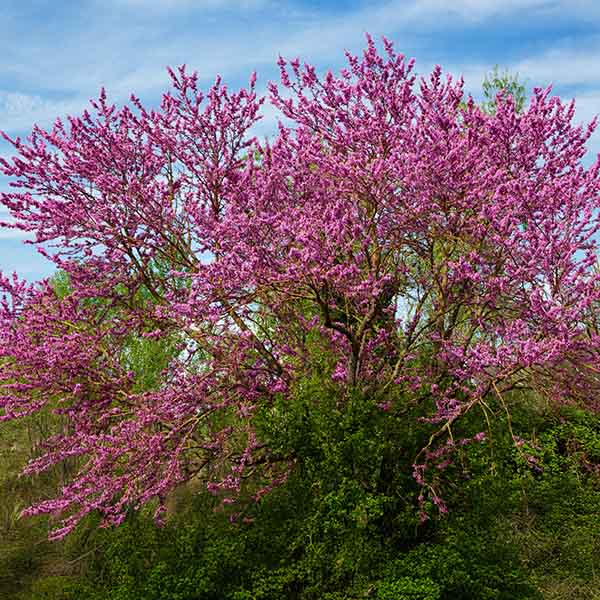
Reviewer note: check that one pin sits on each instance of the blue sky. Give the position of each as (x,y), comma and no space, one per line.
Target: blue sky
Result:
(55,55)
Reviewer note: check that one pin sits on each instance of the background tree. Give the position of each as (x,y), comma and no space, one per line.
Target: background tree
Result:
(503,82)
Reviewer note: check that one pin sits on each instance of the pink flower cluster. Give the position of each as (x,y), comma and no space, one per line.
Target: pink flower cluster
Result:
(441,254)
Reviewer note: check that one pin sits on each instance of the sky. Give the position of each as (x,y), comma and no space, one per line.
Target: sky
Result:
(55,55)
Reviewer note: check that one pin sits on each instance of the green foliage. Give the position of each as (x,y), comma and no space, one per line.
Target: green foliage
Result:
(146,358)
(506,83)
(60,283)
(557,521)
(406,588)
(24,549)
(345,524)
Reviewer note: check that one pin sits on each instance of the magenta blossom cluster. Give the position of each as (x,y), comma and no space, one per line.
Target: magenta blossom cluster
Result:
(444,256)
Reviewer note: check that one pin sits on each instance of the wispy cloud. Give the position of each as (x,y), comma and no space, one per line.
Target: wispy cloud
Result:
(20,111)
(471,10)
(567,65)
(7,233)
(195,4)
(12,234)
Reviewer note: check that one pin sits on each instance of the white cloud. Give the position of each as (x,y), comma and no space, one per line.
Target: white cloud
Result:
(12,234)
(20,111)
(6,233)
(480,10)
(193,4)
(564,66)
(469,10)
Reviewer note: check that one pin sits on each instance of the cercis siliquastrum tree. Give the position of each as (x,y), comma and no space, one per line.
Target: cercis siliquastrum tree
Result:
(444,256)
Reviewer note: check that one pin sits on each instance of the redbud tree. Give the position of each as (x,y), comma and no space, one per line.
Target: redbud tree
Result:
(442,255)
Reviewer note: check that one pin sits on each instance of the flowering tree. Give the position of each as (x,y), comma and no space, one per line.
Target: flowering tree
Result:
(442,255)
